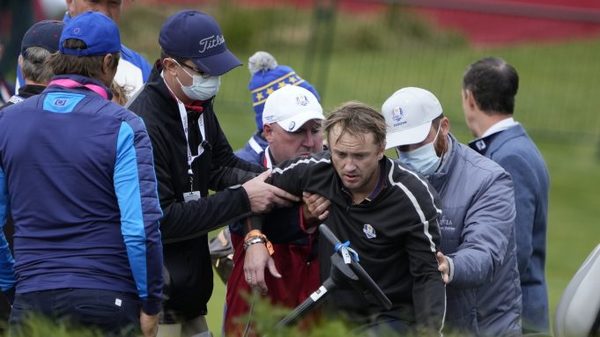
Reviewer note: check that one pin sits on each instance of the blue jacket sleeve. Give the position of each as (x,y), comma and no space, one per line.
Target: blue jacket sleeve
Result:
(135,187)
(7,276)
(487,229)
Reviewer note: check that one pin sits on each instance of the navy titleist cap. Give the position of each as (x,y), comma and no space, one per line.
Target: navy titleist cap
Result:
(197,36)
(99,32)
(44,34)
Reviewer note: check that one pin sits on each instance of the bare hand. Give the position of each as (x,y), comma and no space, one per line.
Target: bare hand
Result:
(315,207)
(256,260)
(443,267)
(264,196)
(149,324)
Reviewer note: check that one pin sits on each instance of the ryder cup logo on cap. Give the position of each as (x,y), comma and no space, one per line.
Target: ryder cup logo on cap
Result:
(291,107)
(302,100)
(397,116)
(197,36)
(408,114)
(99,33)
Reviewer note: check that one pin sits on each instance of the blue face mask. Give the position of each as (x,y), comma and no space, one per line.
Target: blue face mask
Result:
(423,160)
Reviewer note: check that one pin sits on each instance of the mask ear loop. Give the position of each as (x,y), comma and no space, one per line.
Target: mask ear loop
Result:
(443,154)
(182,68)
(437,133)
(185,71)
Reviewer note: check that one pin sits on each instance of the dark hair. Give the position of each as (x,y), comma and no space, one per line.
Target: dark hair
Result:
(494,85)
(357,119)
(90,66)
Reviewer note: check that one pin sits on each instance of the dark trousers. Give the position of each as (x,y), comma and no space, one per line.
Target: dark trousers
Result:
(385,328)
(112,313)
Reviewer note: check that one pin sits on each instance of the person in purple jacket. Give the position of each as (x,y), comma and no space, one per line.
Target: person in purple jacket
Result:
(77,175)
(488,98)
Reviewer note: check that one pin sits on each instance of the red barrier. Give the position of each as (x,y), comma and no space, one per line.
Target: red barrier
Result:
(482,21)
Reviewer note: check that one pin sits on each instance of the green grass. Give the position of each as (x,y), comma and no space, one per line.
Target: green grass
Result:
(558,101)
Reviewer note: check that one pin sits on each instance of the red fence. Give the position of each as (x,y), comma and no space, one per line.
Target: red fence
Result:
(482,21)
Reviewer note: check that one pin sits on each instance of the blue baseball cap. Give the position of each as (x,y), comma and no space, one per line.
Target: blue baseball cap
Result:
(98,31)
(44,34)
(197,36)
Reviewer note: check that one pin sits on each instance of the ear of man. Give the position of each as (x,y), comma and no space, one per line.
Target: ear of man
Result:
(169,65)
(268,132)
(109,68)
(470,98)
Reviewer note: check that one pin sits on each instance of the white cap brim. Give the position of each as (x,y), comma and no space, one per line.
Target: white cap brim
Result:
(294,123)
(406,137)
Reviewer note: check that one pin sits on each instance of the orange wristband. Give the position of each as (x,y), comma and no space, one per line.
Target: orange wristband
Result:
(253,233)
(257,234)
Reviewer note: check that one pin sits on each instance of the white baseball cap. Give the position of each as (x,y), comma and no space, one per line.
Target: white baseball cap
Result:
(408,114)
(291,106)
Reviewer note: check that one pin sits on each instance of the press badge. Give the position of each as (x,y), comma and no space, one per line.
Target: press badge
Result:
(191,196)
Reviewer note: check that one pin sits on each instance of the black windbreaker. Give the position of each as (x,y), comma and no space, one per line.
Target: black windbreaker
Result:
(396,236)
(185,224)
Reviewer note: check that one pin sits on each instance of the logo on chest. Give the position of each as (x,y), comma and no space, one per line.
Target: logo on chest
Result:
(60,102)
(369,231)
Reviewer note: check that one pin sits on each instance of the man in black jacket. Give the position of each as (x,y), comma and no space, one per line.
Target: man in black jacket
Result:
(387,213)
(191,156)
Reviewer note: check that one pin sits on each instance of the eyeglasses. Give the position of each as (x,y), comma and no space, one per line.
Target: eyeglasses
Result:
(195,70)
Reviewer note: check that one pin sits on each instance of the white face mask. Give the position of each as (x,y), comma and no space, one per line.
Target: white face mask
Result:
(202,88)
(423,160)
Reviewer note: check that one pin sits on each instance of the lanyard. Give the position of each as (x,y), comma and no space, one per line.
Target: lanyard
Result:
(184,123)
(194,195)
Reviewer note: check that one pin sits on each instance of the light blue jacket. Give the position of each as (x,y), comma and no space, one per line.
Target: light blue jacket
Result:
(484,296)
(514,150)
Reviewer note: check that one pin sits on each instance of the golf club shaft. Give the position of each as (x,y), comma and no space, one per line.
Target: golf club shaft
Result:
(308,304)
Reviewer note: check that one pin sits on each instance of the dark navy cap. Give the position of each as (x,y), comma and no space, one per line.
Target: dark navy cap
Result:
(44,34)
(197,36)
(99,32)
